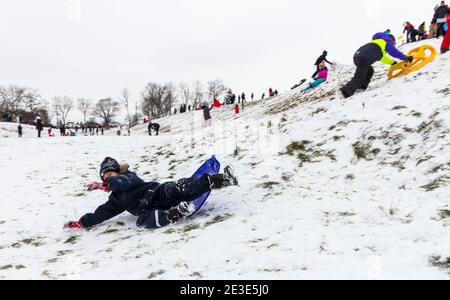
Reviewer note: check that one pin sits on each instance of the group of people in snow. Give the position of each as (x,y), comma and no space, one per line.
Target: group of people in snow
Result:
(438,27)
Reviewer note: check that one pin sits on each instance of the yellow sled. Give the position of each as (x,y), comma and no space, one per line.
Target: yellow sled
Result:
(422,56)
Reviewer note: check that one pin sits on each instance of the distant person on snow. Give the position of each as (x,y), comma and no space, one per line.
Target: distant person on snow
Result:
(321,58)
(321,77)
(446,43)
(422,31)
(207,116)
(156,205)
(153,126)
(217,104)
(39,126)
(20,130)
(377,50)
(411,32)
(237,110)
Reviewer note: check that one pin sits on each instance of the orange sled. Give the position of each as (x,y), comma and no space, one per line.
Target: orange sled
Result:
(422,56)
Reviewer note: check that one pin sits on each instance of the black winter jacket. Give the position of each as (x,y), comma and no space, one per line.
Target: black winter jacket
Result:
(129,193)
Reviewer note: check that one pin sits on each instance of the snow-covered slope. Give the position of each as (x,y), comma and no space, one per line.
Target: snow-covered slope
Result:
(9,130)
(330,188)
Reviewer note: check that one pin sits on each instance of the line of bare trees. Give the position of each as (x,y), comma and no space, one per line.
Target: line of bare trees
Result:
(156,100)
(22,101)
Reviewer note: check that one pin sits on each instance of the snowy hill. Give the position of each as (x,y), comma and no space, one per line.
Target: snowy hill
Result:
(330,188)
(9,130)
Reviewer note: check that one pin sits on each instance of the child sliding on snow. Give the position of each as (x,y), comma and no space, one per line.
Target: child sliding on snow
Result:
(321,77)
(156,205)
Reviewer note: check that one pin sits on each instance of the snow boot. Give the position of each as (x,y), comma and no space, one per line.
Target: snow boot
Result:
(220,181)
(183,210)
(443,51)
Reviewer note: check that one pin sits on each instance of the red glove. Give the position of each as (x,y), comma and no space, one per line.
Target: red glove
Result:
(94,186)
(74,225)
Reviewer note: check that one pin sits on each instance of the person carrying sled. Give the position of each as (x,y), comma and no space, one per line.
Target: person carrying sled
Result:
(446,42)
(377,50)
(321,77)
(156,205)
(322,58)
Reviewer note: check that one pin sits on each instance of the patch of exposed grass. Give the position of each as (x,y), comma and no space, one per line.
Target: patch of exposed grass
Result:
(191,227)
(399,107)
(350,177)
(440,262)
(318,111)
(71,240)
(156,274)
(425,159)
(346,214)
(218,219)
(307,152)
(6,267)
(269,185)
(436,184)
(110,231)
(361,150)
(444,214)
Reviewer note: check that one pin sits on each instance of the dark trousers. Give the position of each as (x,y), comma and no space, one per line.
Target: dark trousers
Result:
(316,73)
(440,30)
(412,35)
(169,195)
(39,133)
(362,78)
(155,129)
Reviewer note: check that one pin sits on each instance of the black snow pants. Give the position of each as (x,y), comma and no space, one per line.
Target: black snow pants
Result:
(169,195)
(316,73)
(362,78)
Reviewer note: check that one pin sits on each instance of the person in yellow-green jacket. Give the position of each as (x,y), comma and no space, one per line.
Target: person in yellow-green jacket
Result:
(382,48)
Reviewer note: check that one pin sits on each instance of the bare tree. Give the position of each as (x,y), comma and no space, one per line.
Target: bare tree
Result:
(125,95)
(186,92)
(106,110)
(14,99)
(84,105)
(198,91)
(170,97)
(216,88)
(62,107)
(158,100)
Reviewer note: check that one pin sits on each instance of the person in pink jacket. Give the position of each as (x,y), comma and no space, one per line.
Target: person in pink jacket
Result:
(321,77)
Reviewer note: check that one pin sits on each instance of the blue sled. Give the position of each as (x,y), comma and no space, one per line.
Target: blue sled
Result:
(212,166)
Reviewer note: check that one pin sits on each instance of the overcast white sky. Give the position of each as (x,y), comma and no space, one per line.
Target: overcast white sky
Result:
(94,48)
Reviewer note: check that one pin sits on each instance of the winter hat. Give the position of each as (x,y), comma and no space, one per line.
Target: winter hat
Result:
(108,165)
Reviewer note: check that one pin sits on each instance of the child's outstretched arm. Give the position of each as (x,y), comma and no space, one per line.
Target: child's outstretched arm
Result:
(105,212)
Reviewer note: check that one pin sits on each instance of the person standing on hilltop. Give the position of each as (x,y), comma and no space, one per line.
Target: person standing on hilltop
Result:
(20,130)
(39,126)
(440,18)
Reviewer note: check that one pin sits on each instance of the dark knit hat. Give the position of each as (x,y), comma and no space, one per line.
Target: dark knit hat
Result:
(108,165)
